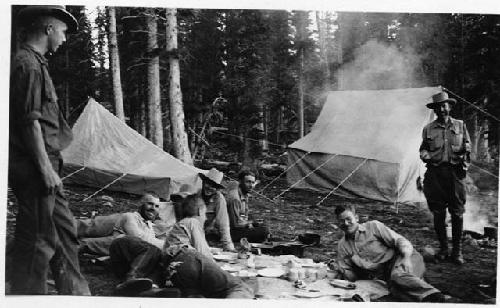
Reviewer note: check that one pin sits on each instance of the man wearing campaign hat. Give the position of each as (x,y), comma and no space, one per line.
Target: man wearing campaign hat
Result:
(446,150)
(45,228)
(214,209)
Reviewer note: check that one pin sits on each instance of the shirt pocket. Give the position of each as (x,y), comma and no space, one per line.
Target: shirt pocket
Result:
(457,137)
(435,140)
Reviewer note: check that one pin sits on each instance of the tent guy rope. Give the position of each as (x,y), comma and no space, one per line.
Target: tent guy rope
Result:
(473,105)
(291,166)
(342,182)
(106,186)
(73,173)
(306,176)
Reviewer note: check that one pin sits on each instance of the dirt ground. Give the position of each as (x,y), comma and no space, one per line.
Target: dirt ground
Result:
(473,282)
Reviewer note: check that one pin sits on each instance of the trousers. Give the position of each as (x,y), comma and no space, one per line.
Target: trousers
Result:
(190,271)
(257,234)
(45,236)
(409,286)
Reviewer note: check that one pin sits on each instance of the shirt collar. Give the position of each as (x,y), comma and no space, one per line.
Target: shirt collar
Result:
(38,55)
(448,123)
(242,195)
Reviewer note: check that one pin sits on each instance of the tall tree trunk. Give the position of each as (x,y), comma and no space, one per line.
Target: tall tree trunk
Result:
(323,50)
(474,135)
(179,136)
(114,62)
(153,73)
(300,111)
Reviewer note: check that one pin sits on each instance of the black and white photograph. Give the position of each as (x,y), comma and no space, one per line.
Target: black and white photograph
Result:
(308,154)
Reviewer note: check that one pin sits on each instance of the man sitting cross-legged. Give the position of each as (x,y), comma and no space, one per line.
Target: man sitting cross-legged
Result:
(192,271)
(371,250)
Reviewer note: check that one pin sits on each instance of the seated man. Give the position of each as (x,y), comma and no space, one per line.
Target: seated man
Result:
(191,270)
(139,224)
(189,230)
(374,251)
(237,206)
(214,209)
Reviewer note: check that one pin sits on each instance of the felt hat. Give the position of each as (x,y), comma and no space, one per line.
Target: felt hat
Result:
(30,12)
(184,191)
(214,176)
(439,98)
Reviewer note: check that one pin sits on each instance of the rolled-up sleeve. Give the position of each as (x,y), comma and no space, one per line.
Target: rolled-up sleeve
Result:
(345,264)
(26,85)
(389,236)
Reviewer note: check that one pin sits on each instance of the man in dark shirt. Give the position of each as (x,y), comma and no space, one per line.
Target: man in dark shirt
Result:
(445,149)
(45,228)
(238,209)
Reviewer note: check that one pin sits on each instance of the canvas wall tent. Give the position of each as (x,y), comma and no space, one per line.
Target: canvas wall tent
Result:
(105,149)
(384,127)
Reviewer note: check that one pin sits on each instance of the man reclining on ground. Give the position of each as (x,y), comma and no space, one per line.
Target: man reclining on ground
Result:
(371,250)
(192,271)
(138,224)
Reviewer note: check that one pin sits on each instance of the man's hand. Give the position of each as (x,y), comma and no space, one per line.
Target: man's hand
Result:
(405,264)
(424,155)
(51,180)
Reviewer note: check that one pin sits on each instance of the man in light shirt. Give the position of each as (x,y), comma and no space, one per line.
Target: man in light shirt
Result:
(371,250)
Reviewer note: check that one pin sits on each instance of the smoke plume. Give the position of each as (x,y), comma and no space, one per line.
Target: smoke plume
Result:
(378,66)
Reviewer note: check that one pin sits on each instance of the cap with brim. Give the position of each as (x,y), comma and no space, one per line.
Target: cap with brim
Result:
(213,176)
(440,98)
(27,14)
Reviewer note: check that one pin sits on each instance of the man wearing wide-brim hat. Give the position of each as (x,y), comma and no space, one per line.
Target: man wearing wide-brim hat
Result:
(214,209)
(38,132)
(446,150)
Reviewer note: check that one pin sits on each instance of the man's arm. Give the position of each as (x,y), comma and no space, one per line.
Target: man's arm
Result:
(33,138)
(27,92)
(395,240)
(222,222)
(344,265)
(424,147)
(197,237)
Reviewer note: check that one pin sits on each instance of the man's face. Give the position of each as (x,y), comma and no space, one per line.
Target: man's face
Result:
(208,188)
(247,183)
(348,222)
(56,34)
(149,208)
(442,110)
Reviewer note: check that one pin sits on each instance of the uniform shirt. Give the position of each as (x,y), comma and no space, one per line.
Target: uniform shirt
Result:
(33,97)
(369,249)
(214,212)
(188,231)
(446,143)
(237,207)
(134,224)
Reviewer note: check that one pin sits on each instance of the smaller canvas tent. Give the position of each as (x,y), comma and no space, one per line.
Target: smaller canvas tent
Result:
(106,150)
(378,132)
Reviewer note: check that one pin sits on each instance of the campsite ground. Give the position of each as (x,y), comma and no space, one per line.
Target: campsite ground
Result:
(474,282)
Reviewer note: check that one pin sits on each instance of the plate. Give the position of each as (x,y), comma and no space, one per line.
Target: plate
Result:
(224,257)
(271,272)
(230,268)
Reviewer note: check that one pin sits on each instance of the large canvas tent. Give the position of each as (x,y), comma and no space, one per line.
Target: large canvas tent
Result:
(106,150)
(366,143)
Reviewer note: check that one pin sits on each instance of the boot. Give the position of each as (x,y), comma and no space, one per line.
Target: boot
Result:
(457,225)
(440,228)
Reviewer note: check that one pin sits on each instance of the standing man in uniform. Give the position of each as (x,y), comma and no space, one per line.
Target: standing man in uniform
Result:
(446,149)
(45,228)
